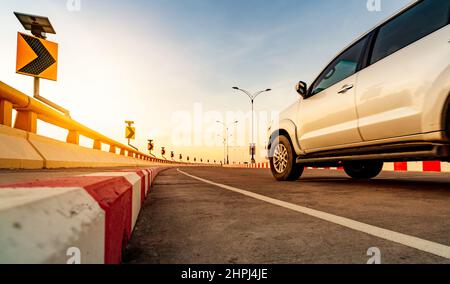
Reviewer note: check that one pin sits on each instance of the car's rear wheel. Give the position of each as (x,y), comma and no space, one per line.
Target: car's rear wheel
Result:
(363,169)
(283,160)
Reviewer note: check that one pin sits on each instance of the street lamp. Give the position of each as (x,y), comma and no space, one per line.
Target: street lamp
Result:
(227,136)
(252,98)
(225,147)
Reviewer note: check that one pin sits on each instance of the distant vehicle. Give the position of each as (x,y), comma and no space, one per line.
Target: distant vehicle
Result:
(385,98)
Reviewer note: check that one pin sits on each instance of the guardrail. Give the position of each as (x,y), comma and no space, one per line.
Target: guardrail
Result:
(29,111)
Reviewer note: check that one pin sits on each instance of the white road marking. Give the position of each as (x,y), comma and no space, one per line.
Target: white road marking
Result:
(410,241)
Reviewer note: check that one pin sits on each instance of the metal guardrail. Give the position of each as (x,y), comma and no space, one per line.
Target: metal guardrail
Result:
(30,110)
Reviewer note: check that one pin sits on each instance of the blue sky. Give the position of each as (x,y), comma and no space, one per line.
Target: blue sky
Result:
(145,60)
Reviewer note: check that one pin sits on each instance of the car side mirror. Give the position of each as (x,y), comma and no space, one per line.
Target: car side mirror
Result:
(302,89)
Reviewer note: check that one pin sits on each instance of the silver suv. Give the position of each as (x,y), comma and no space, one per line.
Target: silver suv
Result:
(385,98)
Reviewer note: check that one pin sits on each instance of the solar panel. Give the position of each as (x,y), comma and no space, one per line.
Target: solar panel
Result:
(35,23)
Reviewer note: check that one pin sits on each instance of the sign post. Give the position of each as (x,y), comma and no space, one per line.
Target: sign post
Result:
(130,133)
(151,147)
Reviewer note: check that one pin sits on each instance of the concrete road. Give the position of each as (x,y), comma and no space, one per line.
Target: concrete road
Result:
(242,216)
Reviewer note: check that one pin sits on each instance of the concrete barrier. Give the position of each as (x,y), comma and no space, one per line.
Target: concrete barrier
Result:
(58,154)
(95,214)
(265,165)
(427,166)
(16,152)
(24,150)
(40,224)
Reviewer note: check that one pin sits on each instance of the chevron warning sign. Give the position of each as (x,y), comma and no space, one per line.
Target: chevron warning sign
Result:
(130,133)
(37,57)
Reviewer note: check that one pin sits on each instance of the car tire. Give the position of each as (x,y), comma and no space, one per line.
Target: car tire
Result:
(363,169)
(283,160)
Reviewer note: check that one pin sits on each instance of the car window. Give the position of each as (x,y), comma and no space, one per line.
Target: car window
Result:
(414,24)
(341,68)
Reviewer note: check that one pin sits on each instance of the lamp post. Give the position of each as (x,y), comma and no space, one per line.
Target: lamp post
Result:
(226,159)
(227,136)
(252,98)
(224,148)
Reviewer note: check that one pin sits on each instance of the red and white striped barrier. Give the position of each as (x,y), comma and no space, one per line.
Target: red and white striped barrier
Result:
(95,214)
(251,166)
(428,166)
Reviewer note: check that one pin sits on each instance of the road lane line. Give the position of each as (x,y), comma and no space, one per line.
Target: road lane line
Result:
(410,241)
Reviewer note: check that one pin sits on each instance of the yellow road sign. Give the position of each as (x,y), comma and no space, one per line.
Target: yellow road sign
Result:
(37,57)
(151,146)
(130,133)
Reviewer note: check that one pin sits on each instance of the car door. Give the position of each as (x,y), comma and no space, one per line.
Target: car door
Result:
(408,55)
(327,117)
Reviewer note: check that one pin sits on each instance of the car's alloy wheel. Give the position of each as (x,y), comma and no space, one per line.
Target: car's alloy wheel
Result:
(280,158)
(283,160)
